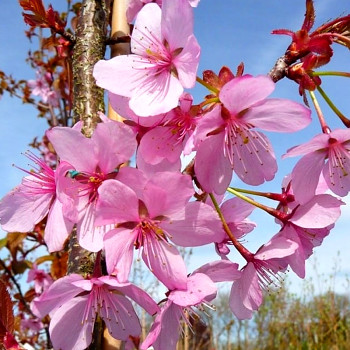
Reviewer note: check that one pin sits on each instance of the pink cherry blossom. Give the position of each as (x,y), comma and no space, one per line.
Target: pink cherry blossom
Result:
(235,212)
(259,274)
(226,141)
(173,136)
(164,59)
(150,215)
(33,200)
(42,280)
(308,225)
(111,144)
(33,325)
(164,333)
(135,6)
(307,239)
(327,154)
(41,87)
(74,302)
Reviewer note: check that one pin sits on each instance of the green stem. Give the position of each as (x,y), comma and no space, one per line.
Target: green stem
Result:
(331,73)
(270,195)
(210,101)
(340,115)
(276,213)
(324,126)
(209,87)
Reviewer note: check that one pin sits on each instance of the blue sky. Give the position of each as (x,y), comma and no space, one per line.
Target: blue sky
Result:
(229,31)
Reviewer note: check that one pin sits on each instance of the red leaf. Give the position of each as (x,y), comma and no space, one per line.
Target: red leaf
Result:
(10,342)
(34,20)
(6,313)
(54,20)
(35,6)
(309,16)
(38,16)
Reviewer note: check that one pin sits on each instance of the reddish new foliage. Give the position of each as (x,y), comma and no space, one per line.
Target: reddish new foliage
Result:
(6,313)
(41,17)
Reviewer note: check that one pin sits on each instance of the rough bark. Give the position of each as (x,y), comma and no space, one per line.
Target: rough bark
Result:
(89,48)
(87,98)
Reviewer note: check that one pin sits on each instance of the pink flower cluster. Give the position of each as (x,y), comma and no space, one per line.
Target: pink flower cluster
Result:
(42,86)
(153,208)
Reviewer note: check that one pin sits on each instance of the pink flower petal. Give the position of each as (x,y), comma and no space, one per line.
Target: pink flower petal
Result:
(251,293)
(179,15)
(236,209)
(253,158)
(164,95)
(65,140)
(57,228)
(58,293)
(220,271)
(119,248)
(120,317)
(187,61)
(19,212)
(166,263)
(195,225)
(117,203)
(115,144)
(168,184)
(212,168)
(278,115)
(133,292)
(158,144)
(306,174)
(318,143)
(321,211)
(68,329)
(164,332)
(277,247)
(242,92)
(146,32)
(200,288)
(236,305)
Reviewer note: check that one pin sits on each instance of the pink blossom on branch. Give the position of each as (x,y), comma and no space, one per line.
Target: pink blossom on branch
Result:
(164,59)
(225,139)
(41,87)
(90,162)
(173,136)
(34,199)
(258,275)
(260,272)
(309,223)
(73,303)
(150,216)
(164,333)
(327,154)
(42,280)
(235,212)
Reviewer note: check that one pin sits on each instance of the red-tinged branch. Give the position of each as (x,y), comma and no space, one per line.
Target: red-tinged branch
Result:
(324,126)
(340,115)
(279,70)
(246,254)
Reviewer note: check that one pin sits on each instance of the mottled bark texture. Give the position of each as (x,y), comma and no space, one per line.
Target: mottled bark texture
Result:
(87,98)
(88,49)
